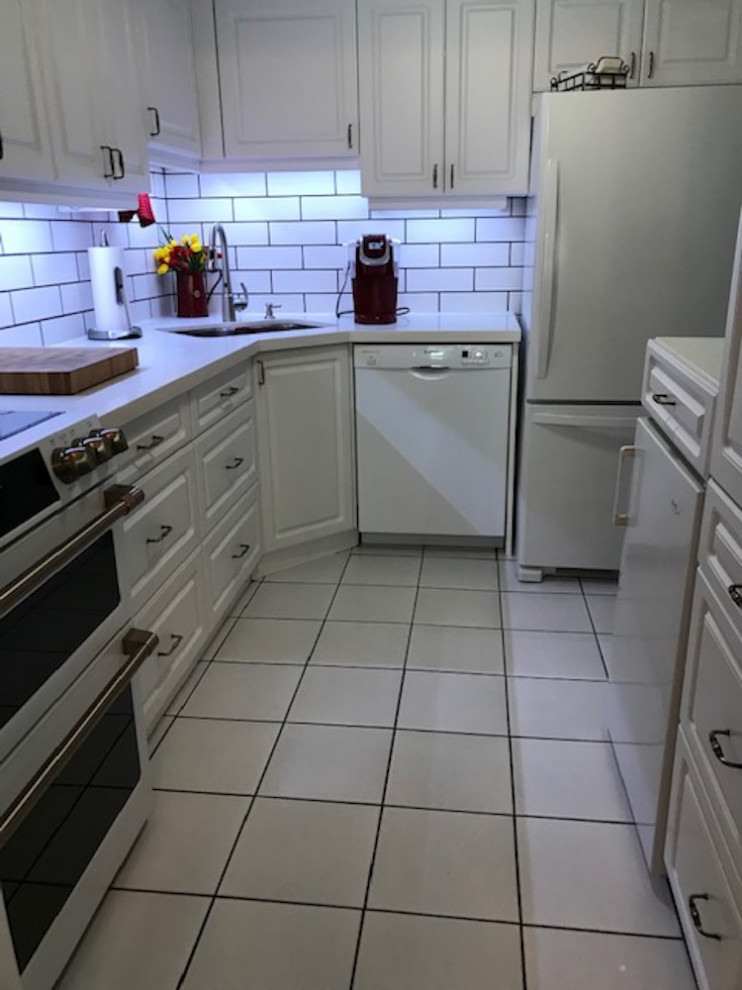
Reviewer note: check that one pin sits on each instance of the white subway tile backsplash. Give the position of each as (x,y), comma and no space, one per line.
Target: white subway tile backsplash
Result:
(440,280)
(269,257)
(157,184)
(145,237)
(517,253)
(200,210)
(431,231)
(335,256)
(28,335)
(301,183)
(40,211)
(25,236)
(145,286)
(52,269)
(498,209)
(76,297)
(351,230)
(498,279)
(418,302)
(15,272)
(303,232)
(304,281)
(36,304)
(405,214)
(11,210)
(288,303)
(474,302)
(474,255)
(181,185)
(420,256)
(268,208)
(316,302)
(62,328)
(501,229)
(234,186)
(334,208)
(245,233)
(348,182)
(255,281)
(72,235)
(6,313)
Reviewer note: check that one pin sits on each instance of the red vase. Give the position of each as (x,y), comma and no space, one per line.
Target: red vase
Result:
(191,294)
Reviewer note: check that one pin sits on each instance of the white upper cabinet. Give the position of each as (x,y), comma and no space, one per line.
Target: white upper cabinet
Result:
(444,96)
(664,42)
(25,150)
(570,34)
(287,70)
(692,41)
(171,99)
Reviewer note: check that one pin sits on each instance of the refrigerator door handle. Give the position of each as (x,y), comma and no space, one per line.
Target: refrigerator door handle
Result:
(547,267)
(625,453)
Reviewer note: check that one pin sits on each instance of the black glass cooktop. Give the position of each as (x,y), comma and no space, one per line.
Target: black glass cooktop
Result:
(12,422)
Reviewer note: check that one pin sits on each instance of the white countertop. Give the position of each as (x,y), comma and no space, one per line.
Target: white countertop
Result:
(170,363)
(701,354)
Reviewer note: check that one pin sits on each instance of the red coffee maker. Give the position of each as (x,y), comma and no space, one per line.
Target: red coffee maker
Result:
(374,274)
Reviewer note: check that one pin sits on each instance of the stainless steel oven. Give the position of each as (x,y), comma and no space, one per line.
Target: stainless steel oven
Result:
(74,787)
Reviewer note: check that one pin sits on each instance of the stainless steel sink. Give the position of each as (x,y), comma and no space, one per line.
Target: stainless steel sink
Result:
(252,326)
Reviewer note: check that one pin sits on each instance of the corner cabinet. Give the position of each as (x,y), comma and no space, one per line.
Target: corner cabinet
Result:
(305,445)
(664,42)
(445,96)
(287,74)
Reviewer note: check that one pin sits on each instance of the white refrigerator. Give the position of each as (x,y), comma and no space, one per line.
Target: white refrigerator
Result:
(630,233)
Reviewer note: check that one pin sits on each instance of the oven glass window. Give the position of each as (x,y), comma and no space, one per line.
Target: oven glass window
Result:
(27,474)
(41,633)
(41,863)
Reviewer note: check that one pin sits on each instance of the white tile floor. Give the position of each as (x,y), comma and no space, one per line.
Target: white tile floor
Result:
(391,773)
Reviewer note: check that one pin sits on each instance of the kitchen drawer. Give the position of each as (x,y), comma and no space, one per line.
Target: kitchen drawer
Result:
(177,613)
(220,395)
(720,551)
(153,438)
(681,402)
(711,708)
(159,536)
(231,551)
(227,469)
(704,882)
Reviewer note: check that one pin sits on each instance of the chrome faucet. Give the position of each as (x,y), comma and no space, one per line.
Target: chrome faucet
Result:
(229,303)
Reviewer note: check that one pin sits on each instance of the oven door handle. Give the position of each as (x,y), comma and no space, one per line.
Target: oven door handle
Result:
(137,644)
(120,500)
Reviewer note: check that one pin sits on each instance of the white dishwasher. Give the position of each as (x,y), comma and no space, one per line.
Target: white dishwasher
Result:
(432,433)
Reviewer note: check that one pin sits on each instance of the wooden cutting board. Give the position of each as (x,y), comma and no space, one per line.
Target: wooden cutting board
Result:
(61,370)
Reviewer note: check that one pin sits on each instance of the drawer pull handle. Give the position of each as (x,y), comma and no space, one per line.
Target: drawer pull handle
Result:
(244,550)
(154,442)
(235,463)
(175,641)
(718,751)
(232,390)
(663,399)
(696,917)
(735,593)
(164,531)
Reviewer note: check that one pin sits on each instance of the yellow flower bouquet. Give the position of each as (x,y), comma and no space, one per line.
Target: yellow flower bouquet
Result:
(186,255)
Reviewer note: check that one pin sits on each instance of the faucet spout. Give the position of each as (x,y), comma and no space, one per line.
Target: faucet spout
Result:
(218,235)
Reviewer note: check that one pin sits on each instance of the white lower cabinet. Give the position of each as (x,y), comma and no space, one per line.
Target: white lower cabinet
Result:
(227,467)
(230,553)
(704,881)
(305,445)
(177,615)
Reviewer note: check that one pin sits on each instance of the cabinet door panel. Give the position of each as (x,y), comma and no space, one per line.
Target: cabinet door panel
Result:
(288,77)
(488,68)
(401,96)
(572,33)
(26,147)
(688,42)
(305,448)
(726,449)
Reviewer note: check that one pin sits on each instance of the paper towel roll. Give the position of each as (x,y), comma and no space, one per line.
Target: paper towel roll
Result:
(111,317)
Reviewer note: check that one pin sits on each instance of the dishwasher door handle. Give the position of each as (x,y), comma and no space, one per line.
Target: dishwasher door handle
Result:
(430,373)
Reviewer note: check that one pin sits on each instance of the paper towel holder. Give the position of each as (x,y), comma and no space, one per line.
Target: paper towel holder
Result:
(107,294)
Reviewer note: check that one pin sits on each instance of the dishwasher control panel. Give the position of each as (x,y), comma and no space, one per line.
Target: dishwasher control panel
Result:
(460,357)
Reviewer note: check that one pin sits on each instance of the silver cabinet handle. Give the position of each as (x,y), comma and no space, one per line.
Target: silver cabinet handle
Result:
(717,749)
(121,172)
(625,453)
(663,399)
(175,641)
(453,173)
(235,463)
(232,390)
(109,172)
(156,120)
(350,135)
(650,73)
(435,176)
(632,62)
(244,550)
(696,917)
(137,644)
(261,373)
(164,531)
(735,593)
(154,442)
(120,501)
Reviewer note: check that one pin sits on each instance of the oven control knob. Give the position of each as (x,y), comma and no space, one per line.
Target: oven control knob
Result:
(115,437)
(71,463)
(101,447)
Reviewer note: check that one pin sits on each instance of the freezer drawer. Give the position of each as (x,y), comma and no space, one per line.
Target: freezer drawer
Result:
(650,626)
(567,483)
